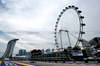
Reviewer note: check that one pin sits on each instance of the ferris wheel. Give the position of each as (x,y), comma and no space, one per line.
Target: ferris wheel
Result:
(69,27)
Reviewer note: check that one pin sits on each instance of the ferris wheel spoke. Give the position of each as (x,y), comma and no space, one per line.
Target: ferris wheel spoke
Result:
(73,27)
(73,35)
(69,23)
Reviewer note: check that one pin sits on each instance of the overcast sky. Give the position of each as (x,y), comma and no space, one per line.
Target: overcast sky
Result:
(18,18)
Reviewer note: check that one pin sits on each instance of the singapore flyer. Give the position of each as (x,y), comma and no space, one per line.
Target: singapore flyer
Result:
(69,27)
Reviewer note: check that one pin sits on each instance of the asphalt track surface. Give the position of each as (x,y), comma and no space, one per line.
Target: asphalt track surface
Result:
(13,63)
(61,64)
(27,63)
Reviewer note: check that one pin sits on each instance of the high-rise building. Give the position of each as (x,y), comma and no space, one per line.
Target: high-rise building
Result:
(29,54)
(43,51)
(20,52)
(10,47)
(47,51)
(23,52)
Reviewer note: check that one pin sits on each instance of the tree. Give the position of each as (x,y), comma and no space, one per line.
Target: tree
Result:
(36,52)
(77,48)
(69,51)
(65,52)
(69,48)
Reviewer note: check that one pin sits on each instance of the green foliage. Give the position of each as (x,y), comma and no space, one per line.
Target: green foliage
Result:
(77,48)
(36,52)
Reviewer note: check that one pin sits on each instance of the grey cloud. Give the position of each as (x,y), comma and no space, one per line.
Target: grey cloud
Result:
(3,7)
(28,10)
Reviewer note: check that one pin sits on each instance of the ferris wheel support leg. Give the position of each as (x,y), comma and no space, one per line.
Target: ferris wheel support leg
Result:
(61,40)
(69,38)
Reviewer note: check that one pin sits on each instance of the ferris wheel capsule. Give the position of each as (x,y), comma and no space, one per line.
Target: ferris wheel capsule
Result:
(68,28)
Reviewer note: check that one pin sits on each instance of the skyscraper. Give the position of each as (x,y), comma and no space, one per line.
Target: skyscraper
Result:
(23,52)
(20,52)
(10,47)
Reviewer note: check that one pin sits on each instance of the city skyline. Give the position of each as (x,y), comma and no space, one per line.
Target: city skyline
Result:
(33,22)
